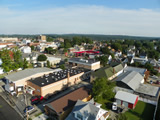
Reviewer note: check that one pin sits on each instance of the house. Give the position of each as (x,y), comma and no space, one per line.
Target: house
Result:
(56,81)
(53,60)
(6,39)
(130,53)
(107,72)
(90,64)
(136,69)
(25,49)
(25,41)
(126,99)
(4,45)
(118,53)
(58,107)
(16,82)
(141,60)
(30,57)
(128,60)
(132,81)
(143,55)
(88,111)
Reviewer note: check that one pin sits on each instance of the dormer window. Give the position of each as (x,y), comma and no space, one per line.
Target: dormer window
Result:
(78,116)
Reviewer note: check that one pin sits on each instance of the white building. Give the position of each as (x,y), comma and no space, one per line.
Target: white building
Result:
(6,39)
(26,49)
(53,60)
(25,41)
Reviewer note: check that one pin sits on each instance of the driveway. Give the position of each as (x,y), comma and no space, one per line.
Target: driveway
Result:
(7,112)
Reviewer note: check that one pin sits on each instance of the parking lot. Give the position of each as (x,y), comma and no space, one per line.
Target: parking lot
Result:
(7,112)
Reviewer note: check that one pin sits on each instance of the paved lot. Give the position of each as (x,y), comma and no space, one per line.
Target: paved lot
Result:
(7,112)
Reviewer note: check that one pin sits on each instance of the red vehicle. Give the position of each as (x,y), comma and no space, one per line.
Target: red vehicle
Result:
(37,98)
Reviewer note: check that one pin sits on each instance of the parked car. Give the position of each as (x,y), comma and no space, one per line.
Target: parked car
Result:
(28,109)
(157,82)
(151,82)
(114,106)
(36,98)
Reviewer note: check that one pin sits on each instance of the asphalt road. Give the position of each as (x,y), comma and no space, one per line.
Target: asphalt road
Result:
(7,112)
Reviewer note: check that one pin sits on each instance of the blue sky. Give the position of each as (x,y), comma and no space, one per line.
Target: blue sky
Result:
(120,17)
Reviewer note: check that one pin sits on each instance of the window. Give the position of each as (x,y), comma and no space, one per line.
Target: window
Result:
(79,116)
(38,90)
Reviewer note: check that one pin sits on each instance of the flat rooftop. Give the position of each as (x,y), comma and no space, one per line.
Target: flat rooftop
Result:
(148,90)
(55,76)
(82,61)
(26,73)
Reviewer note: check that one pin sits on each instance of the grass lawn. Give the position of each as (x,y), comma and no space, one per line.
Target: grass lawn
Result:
(142,111)
(106,104)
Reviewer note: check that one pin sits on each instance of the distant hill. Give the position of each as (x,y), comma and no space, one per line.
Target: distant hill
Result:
(92,36)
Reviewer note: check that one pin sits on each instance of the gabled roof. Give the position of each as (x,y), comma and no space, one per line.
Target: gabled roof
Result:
(103,72)
(118,68)
(131,78)
(139,70)
(69,100)
(125,96)
(87,110)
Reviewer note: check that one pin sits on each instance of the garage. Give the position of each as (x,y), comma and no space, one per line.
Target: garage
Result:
(126,99)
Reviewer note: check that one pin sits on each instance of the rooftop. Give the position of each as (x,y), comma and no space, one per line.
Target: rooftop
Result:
(125,96)
(55,76)
(69,100)
(82,61)
(26,73)
(139,70)
(131,78)
(148,89)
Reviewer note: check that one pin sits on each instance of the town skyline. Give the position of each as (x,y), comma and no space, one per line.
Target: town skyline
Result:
(133,18)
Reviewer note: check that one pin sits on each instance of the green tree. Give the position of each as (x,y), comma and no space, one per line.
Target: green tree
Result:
(103,89)
(103,60)
(48,64)
(42,57)
(62,66)
(116,46)
(25,63)
(6,60)
(32,48)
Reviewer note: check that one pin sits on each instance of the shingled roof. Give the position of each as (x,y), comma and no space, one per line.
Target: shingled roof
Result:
(69,100)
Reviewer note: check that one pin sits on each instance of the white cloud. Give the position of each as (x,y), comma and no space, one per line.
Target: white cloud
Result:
(81,19)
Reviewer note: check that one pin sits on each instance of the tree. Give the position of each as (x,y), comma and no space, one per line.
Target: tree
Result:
(48,64)
(103,60)
(105,50)
(62,66)
(103,89)
(6,60)
(117,46)
(25,63)
(42,57)
(32,48)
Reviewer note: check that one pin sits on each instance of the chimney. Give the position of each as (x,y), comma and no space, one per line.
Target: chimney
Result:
(68,76)
(113,71)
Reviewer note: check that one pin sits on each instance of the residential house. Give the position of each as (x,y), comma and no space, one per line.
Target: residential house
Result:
(25,41)
(126,99)
(132,81)
(130,54)
(57,108)
(143,55)
(25,49)
(143,60)
(30,57)
(88,111)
